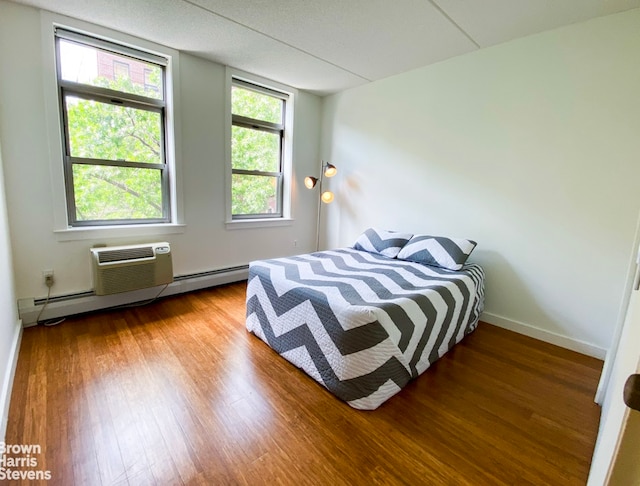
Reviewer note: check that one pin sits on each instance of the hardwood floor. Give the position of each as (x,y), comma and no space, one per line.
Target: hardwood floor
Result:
(178,392)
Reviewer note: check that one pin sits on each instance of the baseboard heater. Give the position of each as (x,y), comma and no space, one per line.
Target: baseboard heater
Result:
(81,302)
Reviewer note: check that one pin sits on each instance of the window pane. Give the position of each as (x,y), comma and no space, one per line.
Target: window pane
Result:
(113,132)
(254,194)
(113,193)
(255,150)
(97,67)
(260,106)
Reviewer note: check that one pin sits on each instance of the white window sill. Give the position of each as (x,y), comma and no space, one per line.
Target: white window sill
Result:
(124,231)
(258,223)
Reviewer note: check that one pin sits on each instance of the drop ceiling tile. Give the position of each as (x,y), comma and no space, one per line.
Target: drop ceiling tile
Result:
(370,38)
(491,22)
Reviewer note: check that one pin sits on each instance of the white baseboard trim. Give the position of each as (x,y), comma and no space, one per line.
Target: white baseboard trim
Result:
(7,380)
(544,335)
(79,304)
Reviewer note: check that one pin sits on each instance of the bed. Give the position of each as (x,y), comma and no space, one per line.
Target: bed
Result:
(362,324)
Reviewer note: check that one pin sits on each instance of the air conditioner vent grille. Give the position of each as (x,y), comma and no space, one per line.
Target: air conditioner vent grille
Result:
(125,254)
(123,279)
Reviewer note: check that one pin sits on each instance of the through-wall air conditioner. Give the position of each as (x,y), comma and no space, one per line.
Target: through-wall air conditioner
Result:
(124,268)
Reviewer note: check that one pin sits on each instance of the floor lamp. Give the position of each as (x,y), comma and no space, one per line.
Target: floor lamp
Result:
(326,170)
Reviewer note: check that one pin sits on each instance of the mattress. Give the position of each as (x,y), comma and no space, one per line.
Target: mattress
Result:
(361,324)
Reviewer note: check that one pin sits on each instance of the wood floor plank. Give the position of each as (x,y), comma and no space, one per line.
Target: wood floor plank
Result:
(178,392)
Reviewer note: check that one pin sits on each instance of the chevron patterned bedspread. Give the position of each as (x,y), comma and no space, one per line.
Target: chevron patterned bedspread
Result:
(359,323)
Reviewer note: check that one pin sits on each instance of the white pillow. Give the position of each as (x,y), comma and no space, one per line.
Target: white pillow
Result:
(438,251)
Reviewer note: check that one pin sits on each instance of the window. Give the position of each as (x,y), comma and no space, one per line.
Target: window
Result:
(257,151)
(114,128)
(120,69)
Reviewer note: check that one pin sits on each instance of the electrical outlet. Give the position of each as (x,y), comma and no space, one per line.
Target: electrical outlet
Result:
(48,277)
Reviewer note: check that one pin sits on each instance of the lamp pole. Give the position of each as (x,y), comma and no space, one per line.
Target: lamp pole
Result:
(319,206)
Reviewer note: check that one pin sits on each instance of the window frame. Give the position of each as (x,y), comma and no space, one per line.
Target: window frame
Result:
(67,88)
(282,130)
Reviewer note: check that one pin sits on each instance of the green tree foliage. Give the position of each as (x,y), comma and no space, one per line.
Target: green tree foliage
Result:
(258,106)
(106,131)
(255,150)
(113,132)
(110,193)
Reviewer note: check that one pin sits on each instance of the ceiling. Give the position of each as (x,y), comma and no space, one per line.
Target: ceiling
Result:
(325,46)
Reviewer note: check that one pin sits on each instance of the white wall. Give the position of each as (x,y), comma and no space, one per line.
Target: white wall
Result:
(205,244)
(530,148)
(9,324)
